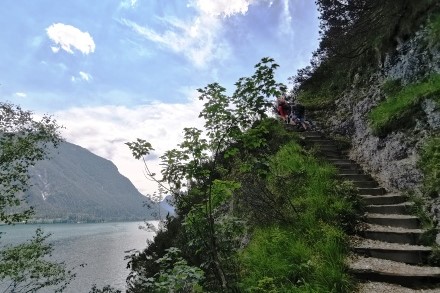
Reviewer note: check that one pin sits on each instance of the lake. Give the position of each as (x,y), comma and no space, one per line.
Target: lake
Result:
(100,246)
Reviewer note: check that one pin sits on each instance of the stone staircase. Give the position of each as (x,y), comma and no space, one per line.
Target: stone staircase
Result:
(388,249)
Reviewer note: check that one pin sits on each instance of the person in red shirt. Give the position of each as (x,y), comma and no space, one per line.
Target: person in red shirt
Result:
(281,102)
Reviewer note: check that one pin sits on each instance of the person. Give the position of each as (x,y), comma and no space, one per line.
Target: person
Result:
(281,107)
(299,114)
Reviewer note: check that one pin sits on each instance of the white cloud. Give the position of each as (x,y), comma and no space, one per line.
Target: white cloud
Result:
(285,26)
(199,38)
(21,95)
(104,131)
(224,8)
(82,76)
(128,4)
(85,76)
(68,37)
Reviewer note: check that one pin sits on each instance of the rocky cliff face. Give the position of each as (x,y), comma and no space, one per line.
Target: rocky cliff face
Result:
(392,159)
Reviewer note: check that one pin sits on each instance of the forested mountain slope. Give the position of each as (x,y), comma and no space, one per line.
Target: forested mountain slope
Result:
(76,185)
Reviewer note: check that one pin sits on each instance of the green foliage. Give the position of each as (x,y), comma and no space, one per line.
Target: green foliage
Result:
(26,269)
(140,148)
(399,110)
(222,191)
(292,260)
(315,100)
(192,172)
(430,164)
(434,30)
(175,275)
(23,142)
(244,174)
(355,37)
(300,245)
(392,87)
(434,257)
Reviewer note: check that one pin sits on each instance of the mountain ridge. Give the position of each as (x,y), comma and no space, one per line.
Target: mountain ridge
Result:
(75,185)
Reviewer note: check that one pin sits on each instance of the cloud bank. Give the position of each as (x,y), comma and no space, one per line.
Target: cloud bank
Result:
(198,39)
(67,38)
(105,130)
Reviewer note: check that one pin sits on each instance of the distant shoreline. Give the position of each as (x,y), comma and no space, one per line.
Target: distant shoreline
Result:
(57,221)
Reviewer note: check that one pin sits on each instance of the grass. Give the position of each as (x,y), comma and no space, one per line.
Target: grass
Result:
(430,164)
(434,30)
(398,110)
(312,100)
(307,256)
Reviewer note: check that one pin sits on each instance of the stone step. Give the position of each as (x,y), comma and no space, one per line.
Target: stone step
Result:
(381,270)
(392,234)
(405,253)
(327,148)
(342,164)
(403,221)
(351,171)
(383,199)
(372,191)
(310,134)
(400,208)
(329,154)
(320,141)
(356,177)
(365,184)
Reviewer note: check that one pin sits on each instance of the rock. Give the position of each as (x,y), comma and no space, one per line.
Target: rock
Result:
(392,160)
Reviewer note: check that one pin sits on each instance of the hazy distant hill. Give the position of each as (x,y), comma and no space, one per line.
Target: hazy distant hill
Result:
(77,185)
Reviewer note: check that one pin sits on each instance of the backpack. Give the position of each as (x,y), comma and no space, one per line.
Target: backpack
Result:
(300,110)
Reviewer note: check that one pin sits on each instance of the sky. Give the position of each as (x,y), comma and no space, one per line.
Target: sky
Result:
(111,71)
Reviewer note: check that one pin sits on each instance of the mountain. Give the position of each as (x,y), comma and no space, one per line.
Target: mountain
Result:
(75,185)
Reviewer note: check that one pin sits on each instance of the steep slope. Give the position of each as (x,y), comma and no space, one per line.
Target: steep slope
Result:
(76,185)
(393,155)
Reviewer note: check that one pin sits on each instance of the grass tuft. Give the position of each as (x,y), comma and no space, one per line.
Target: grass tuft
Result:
(308,255)
(430,164)
(398,110)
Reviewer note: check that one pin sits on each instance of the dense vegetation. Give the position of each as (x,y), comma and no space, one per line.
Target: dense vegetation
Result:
(355,38)
(255,211)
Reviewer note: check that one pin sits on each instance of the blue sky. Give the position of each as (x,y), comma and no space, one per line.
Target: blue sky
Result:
(113,70)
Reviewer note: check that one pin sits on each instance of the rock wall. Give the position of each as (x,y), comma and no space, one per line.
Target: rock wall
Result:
(392,160)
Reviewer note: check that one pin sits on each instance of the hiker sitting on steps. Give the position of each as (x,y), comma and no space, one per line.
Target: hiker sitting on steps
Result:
(298,115)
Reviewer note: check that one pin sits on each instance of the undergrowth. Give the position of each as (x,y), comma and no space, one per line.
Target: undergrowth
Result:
(430,164)
(434,30)
(308,255)
(399,109)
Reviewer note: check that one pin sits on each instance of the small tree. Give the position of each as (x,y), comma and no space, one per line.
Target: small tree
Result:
(25,267)
(191,171)
(23,142)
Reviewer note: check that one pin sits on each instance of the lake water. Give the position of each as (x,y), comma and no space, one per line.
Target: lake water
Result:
(100,246)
